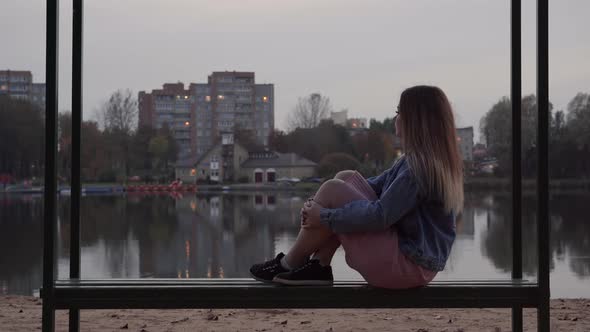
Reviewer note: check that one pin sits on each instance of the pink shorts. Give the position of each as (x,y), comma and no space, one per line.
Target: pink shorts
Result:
(376,255)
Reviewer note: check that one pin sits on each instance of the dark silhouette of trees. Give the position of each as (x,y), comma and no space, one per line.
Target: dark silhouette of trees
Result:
(334,162)
(21,138)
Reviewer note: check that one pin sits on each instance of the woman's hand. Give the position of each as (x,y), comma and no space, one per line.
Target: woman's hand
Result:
(310,214)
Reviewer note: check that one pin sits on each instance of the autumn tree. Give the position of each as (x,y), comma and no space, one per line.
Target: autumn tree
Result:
(119,113)
(21,138)
(332,163)
(578,119)
(119,119)
(309,112)
(496,130)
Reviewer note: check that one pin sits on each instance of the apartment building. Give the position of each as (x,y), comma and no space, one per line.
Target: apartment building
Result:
(465,140)
(171,106)
(19,84)
(201,114)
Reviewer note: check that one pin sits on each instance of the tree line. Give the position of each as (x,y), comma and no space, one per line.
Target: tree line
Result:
(569,137)
(334,147)
(113,148)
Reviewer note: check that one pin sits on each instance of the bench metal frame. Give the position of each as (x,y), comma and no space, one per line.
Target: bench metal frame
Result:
(74,293)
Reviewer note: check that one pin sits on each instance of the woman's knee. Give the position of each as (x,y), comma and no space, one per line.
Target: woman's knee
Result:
(333,184)
(343,175)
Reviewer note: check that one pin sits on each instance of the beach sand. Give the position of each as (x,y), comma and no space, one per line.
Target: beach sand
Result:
(22,313)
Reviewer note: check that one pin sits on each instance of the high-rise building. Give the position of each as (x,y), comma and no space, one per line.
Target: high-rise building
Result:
(19,84)
(465,141)
(339,118)
(38,94)
(232,101)
(170,106)
(199,116)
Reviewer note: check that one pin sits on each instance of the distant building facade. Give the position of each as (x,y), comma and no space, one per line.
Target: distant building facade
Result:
(19,84)
(220,163)
(357,123)
(465,141)
(339,118)
(229,101)
(269,166)
(170,106)
(231,162)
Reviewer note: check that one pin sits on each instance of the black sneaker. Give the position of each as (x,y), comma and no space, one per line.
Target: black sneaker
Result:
(310,274)
(266,271)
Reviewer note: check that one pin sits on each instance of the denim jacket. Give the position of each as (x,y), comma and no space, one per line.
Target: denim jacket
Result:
(425,231)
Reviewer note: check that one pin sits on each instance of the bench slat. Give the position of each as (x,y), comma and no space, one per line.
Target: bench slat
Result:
(248,281)
(246,293)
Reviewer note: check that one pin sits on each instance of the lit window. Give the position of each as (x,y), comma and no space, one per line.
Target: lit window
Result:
(185,97)
(187,123)
(265,99)
(208,98)
(220,97)
(193,172)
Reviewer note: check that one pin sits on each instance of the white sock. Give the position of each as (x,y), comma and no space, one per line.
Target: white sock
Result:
(284,263)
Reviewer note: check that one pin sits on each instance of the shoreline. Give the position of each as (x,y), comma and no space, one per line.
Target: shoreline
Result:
(471,184)
(23,313)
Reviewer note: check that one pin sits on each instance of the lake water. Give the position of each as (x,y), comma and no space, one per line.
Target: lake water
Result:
(219,235)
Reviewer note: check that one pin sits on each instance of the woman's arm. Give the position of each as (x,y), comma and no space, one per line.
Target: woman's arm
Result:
(398,199)
(377,182)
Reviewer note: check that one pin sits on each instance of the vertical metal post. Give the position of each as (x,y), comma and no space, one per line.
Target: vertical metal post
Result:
(76,188)
(543,168)
(516,96)
(50,187)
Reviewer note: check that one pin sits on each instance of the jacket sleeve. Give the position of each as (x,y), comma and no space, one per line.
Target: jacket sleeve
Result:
(398,199)
(377,182)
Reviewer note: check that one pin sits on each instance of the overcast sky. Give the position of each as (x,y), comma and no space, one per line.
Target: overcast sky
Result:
(361,54)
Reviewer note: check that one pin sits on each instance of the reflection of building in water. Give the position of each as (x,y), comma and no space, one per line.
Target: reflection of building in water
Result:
(465,222)
(463,248)
(222,235)
(21,240)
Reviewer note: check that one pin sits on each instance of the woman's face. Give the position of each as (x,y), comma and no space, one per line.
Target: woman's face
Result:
(397,123)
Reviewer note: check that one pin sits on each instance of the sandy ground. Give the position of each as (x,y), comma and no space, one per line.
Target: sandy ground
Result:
(20,313)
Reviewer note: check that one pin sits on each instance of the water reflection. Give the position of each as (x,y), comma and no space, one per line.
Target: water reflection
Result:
(221,235)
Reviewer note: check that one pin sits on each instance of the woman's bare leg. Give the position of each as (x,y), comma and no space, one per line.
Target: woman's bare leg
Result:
(321,240)
(326,252)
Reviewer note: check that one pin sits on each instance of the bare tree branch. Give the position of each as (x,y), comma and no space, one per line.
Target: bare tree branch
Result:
(119,113)
(309,112)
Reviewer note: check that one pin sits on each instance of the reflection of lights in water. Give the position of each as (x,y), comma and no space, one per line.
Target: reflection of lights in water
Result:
(193,205)
(214,206)
(179,275)
(221,274)
(186,274)
(4,287)
(209,270)
(187,249)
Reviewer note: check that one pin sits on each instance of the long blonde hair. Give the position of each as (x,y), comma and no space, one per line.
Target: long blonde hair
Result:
(429,140)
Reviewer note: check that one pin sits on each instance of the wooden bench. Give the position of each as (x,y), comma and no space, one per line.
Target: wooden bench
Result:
(247,293)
